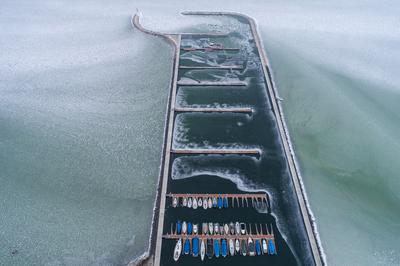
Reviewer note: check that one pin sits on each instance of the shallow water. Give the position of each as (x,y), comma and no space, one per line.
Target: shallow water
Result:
(75,123)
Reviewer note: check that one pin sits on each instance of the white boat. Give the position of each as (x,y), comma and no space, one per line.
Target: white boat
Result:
(264,246)
(200,202)
(178,249)
(237,246)
(216,228)
(237,228)
(252,251)
(243,228)
(209,203)
(231,247)
(214,201)
(202,249)
(175,202)
(194,203)
(189,203)
(204,229)
(184,227)
(211,228)
(232,228)
(184,202)
(226,229)
(195,229)
(205,204)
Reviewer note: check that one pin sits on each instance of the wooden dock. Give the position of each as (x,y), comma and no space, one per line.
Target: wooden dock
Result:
(245,110)
(217,151)
(213,83)
(213,67)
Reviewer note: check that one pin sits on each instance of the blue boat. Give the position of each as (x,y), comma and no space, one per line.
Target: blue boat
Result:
(189,228)
(224,248)
(178,227)
(209,248)
(216,247)
(258,247)
(195,247)
(219,202)
(271,247)
(214,202)
(186,247)
(225,202)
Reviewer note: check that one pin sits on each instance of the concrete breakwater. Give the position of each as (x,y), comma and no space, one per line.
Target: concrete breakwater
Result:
(158,247)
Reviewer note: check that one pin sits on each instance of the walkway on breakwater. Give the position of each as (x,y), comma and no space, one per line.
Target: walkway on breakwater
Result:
(159,232)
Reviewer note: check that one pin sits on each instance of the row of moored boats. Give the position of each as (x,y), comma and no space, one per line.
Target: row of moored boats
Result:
(237,228)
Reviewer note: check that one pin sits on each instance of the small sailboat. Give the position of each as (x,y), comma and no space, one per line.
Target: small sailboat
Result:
(237,246)
(210,203)
(175,202)
(219,202)
(178,249)
(186,247)
(237,228)
(195,229)
(214,202)
(243,230)
(271,247)
(216,228)
(225,202)
(205,204)
(194,203)
(204,228)
(195,246)
(211,228)
(210,248)
(224,248)
(189,203)
(189,228)
(221,229)
(202,249)
(243,247)
(216,248)
(258,247)
(178,227)
(226,229)
(184,202)
(232,228)
(231,247)
(184,228)
(264,246)
(200,202)
(251,247)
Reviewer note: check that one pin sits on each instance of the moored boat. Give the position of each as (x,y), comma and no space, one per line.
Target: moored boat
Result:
(200,202)
(224,248)
(226,229)
(221,229)
(202,249)
(216,228)
(195,229)
(264,246)
(237,228)
(231,247)
(237,246)
(211,228)
(258,247)
(251,247)
(189,202)
(178,249)
(205,204)
(195,246)
(271,247)
(210,203)
(186,247)
(214,202)
(243,230)
(243,247)
(225,202)
(232,228)
(210,248)
(194,203)
(204,229)
(178,227)
(175,202)
(219,203)
(184,202)
(189,228)
(184,227)
(216,248)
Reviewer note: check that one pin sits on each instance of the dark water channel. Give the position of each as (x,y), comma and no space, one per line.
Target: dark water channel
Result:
(232,173)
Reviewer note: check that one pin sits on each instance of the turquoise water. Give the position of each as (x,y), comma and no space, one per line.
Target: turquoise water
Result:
(82,113)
